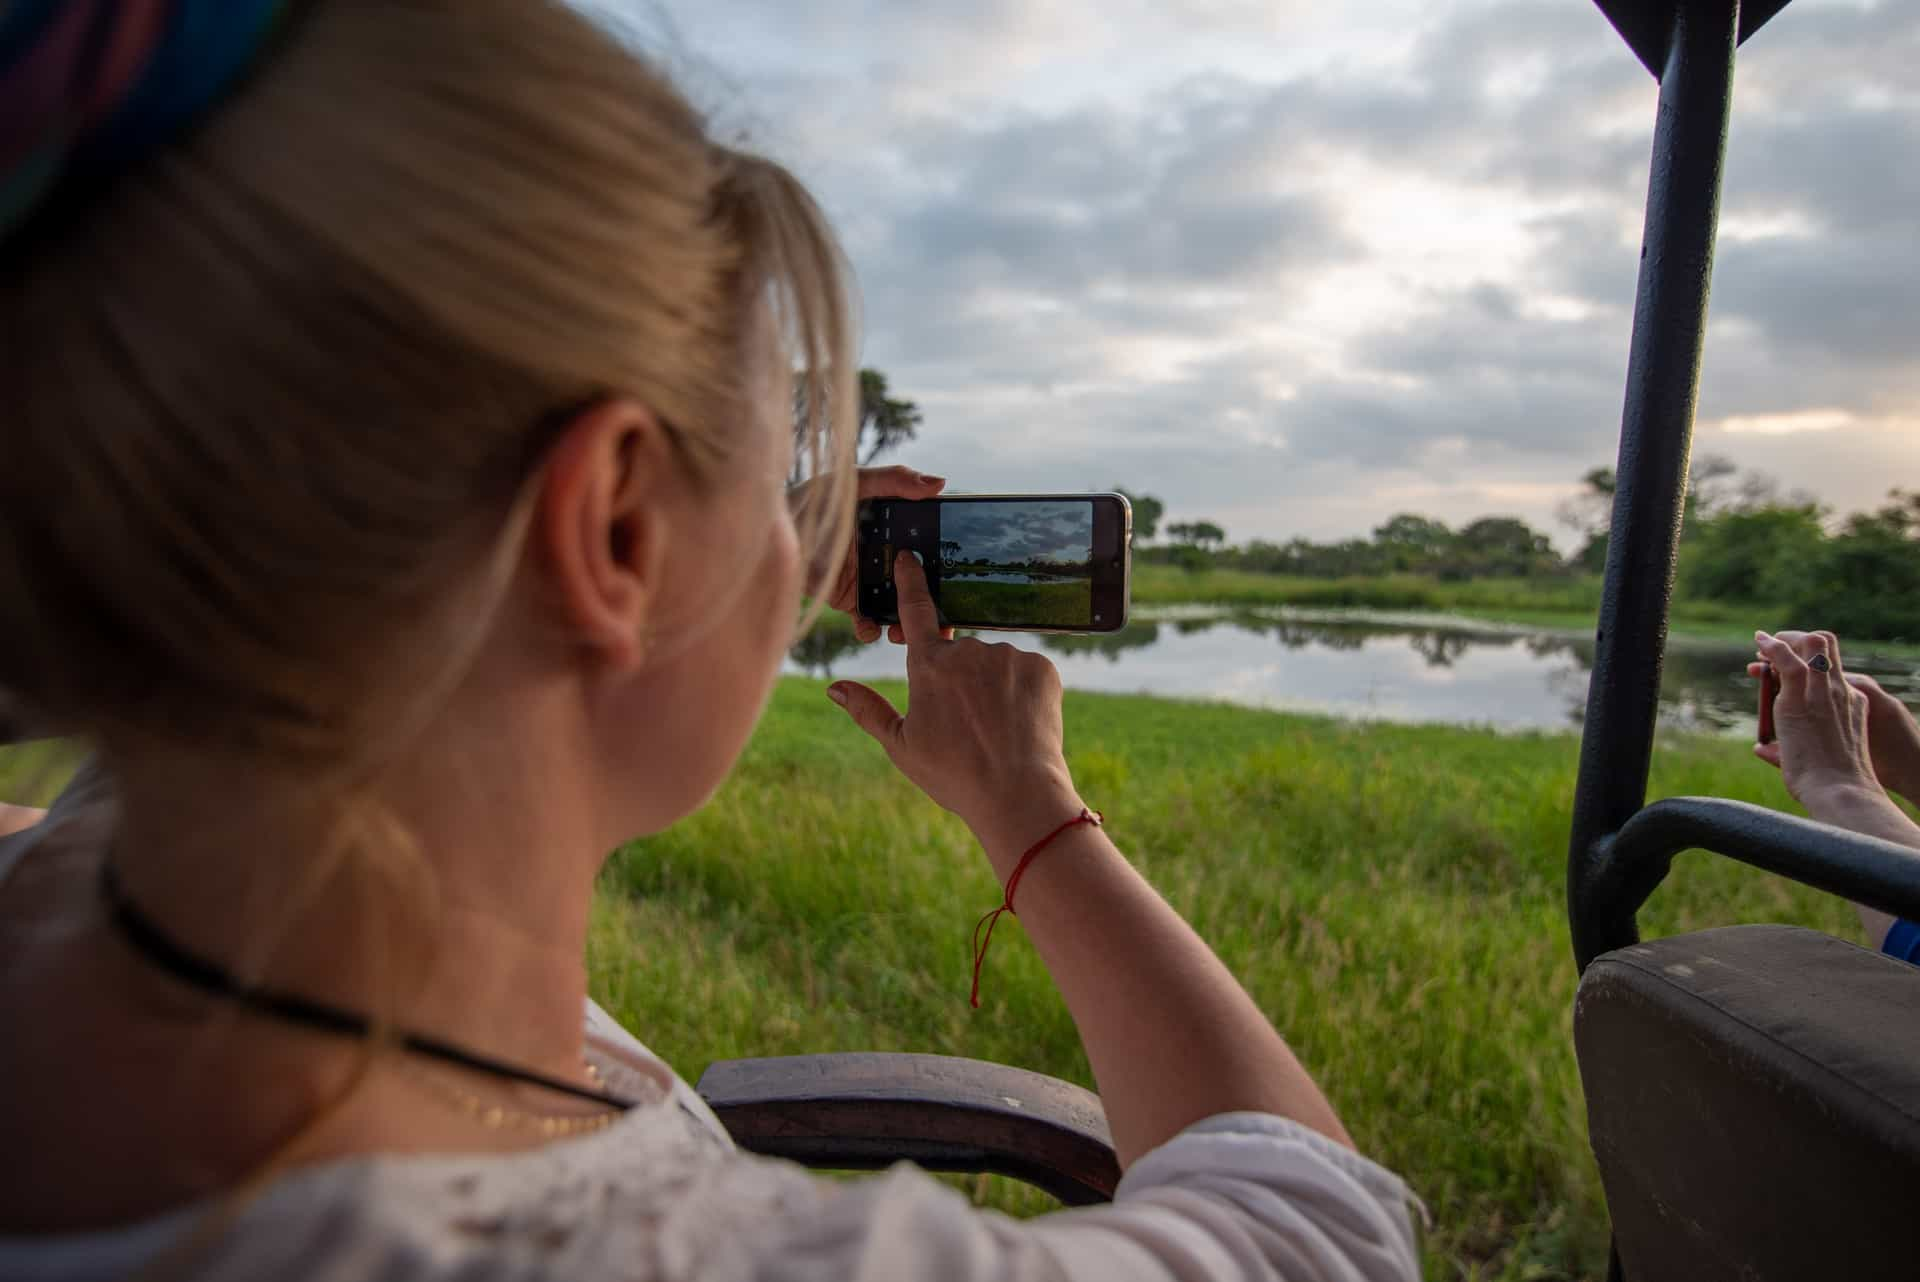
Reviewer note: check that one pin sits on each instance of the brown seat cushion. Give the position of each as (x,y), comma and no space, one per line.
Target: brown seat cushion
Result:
(1753,1095)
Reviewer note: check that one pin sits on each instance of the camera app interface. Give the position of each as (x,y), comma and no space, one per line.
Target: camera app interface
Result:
(1027,563)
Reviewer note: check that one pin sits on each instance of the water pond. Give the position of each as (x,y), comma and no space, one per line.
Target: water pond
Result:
(1371,666)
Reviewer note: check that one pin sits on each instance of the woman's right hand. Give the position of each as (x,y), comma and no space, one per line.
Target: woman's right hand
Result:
(1171,1037)
(982,735)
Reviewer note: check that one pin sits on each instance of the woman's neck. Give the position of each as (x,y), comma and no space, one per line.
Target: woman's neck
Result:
(453,902)
(472,931)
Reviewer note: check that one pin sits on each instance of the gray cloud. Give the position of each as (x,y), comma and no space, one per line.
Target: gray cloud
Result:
(1007,533)
(1117,243)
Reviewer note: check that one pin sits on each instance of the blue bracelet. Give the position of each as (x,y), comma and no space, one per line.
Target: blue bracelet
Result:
(1902,941)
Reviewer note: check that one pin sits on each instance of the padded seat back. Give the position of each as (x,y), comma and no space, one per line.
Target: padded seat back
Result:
(1753,1095)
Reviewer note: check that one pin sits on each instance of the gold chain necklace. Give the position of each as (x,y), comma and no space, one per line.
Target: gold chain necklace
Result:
(500,1117)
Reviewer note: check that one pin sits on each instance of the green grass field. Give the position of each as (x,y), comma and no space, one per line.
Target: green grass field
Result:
(985,601)
(1390,894)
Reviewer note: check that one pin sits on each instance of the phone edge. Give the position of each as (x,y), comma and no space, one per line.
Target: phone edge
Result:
(1126,556)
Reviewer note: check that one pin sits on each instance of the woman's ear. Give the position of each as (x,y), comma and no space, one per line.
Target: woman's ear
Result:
(600,525)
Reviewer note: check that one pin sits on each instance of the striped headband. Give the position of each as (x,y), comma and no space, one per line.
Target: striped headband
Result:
(87,86)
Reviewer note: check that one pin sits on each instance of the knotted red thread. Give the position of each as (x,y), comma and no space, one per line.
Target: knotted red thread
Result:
(992,919)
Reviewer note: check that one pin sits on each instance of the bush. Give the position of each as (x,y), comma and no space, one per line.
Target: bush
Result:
(1866,581)
(1762,554)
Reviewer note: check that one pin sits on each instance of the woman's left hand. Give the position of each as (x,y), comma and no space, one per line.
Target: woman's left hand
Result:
(896,482)
(1823,748)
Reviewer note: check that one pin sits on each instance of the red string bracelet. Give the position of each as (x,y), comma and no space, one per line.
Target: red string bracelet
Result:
(1085,816)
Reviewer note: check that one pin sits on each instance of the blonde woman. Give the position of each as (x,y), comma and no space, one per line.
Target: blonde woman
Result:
(399,409)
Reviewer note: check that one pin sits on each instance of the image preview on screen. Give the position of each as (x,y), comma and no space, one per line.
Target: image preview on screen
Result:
(1017,562)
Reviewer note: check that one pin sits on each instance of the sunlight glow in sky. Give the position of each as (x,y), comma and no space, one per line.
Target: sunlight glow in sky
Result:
(1294,267)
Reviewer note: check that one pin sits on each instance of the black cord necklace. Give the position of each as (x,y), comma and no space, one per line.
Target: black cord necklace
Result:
(215,980)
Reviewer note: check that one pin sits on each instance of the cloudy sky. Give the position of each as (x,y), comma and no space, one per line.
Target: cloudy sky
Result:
(1016,532)
(1296,266)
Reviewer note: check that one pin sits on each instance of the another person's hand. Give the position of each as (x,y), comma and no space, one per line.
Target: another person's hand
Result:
(1894,737)
(983,732)
(1835,733)
(894,482)
(1823,749)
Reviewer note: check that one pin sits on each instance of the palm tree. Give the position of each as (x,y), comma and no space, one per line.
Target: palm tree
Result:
(887,421)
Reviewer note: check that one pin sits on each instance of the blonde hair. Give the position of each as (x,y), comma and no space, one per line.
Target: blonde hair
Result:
(273,398)
(280,386)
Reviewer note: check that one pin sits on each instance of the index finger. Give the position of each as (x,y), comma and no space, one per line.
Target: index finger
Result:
(1786,661)
(896,482)
(919,620)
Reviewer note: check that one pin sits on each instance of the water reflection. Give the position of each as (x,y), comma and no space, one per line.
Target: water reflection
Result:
(1112,645)
(1360,667)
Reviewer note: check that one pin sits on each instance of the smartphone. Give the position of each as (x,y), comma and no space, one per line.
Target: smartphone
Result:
(1004,562)
(1769,691)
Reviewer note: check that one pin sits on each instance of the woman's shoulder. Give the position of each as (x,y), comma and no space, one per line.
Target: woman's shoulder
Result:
(646,1199)
(659,1197)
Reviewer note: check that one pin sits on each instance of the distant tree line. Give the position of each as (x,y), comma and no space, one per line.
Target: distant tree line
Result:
(1494,546)
(1743,541)
(1039,565)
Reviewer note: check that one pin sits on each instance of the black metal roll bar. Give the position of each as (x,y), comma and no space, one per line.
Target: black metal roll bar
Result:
(1656,428)
(1608,887)
(1618,852)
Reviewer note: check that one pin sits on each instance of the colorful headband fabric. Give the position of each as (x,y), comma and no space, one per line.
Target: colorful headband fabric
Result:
(87,86)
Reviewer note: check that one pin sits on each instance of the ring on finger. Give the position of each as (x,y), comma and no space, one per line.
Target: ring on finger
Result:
(1820,663)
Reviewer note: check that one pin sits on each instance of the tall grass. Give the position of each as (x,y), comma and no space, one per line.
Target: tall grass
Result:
(1063,605)
(1391,895)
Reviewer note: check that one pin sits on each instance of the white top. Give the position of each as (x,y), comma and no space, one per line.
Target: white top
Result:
(664,1196)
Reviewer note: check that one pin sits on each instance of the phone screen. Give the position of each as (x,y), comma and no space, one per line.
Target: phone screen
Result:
(1769,691)
(1041,562)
